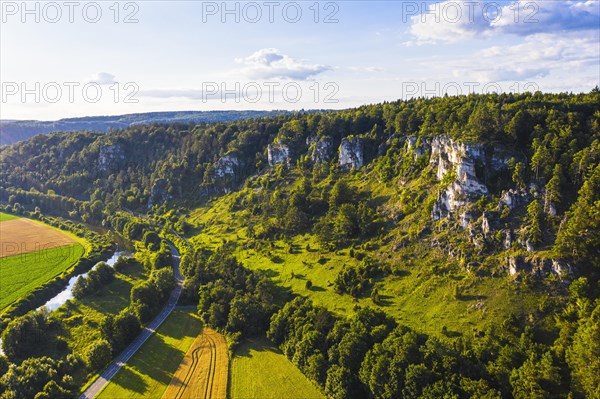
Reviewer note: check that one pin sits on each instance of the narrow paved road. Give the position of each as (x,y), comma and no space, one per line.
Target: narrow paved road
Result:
(122,359)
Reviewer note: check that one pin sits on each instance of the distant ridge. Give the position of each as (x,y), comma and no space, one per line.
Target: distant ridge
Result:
(12,131)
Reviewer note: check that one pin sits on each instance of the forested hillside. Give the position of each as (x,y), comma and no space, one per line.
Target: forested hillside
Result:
(12,131)
(444,247)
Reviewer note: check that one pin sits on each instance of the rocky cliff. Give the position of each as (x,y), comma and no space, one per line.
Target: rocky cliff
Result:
(351,153)
(227,165)
(448,156)
(278,153)
(320,150)
(109,155)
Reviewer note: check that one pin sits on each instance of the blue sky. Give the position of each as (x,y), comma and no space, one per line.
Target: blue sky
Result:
(182,55)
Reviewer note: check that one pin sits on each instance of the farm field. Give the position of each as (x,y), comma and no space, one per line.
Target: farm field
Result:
(259,370)
(22,274)
(22,236)
(151,369)
(203,371)
(32,253)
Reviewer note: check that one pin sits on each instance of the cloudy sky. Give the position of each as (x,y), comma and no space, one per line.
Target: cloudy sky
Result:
(59,59)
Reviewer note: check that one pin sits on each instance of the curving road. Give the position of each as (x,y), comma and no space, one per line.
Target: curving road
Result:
(128,352)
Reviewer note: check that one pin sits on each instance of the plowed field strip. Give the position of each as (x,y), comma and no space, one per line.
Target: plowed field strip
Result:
(203,371)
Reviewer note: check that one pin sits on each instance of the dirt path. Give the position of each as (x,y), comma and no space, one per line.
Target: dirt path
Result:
(203,371)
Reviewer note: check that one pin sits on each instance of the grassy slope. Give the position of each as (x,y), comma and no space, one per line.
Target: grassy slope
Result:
(149,372)
(5,216)
(82,317)
(21,274)
(421,296)
(259,370)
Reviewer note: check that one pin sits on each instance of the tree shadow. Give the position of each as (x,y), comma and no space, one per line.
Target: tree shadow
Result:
(257,345)
(316,288)
(384,300)
(131,381)
(270,273)
(322,260)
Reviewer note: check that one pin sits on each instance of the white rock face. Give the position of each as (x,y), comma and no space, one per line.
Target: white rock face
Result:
(561,268)
(227,165)
(110,154)
(507,239)
(515,265)
(485,224)
(449,156)
(351,153)
(512,198)
(278,153)
(158,193)
(465,219)
(529,246)
(320,150)
(419,150)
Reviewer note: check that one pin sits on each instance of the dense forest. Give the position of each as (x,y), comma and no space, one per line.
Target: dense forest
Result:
(498,191)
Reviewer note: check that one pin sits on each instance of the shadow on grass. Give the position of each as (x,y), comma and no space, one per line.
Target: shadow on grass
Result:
(156,359)
(269,273)
(316,288)
(257,345)
(111,298)
(131,381)
(385,300)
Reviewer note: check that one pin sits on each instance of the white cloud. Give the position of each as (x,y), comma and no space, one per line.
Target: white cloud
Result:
(538,56)
(454,20)
(372,69)
(103,78)
(269,63)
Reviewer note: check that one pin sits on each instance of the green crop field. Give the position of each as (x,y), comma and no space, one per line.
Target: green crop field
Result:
(149,371)
(259,370)
(5,216)
(21,274)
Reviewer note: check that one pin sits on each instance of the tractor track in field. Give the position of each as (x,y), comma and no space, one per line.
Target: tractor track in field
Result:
(210,378)
(202,373)
(196,355)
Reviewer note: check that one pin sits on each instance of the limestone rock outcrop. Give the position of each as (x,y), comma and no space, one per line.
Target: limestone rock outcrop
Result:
(109,155)
(320,150)
(227,165)
(449,156)
(158,193)
(351,153)
(278,153)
